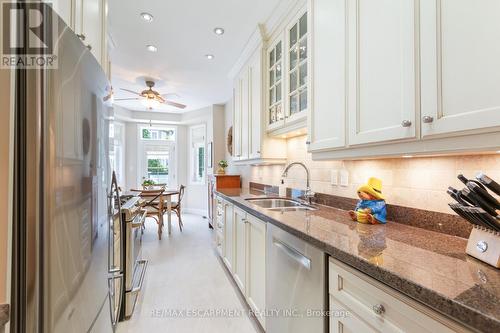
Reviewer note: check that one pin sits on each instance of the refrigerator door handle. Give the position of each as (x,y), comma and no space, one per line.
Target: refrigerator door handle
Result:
(114,309)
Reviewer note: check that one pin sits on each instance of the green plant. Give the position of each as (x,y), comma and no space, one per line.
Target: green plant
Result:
(148,182)
(223,164)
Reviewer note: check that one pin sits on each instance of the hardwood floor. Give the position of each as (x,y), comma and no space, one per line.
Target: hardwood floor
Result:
(184,274)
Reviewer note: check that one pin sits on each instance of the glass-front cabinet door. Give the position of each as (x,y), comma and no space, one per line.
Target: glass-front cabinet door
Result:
(297,69)
(276,114)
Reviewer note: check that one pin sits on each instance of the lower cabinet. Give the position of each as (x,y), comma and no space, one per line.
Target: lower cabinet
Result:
(360,304)
(228,242)
(244,253)
(240,242)
(256,267)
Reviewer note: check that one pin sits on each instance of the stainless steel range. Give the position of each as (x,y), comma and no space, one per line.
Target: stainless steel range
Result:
(134,266)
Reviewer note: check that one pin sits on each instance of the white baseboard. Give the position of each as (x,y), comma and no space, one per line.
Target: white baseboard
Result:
(195,211)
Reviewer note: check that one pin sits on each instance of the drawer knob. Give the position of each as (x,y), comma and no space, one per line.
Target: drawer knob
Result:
(378,309)
(427,119)
(406,123)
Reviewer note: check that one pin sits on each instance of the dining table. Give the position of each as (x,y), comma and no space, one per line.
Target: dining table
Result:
(167,194)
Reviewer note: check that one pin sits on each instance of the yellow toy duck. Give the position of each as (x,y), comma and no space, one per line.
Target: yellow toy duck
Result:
(371,208)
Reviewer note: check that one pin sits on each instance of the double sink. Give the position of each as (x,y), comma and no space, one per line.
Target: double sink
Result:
(280,204)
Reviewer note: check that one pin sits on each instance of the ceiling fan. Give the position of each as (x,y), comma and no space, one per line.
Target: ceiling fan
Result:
(151,97)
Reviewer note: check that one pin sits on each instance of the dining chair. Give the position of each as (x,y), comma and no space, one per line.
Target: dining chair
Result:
(176,205)
(154,206)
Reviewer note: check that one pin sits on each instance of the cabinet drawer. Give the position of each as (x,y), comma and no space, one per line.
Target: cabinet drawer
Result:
(379,307)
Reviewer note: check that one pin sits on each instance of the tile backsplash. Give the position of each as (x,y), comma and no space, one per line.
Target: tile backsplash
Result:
(418,182)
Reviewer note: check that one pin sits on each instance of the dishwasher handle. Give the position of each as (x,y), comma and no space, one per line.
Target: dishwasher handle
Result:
(292,253)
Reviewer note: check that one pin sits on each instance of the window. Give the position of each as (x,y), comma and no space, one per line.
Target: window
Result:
(156,148)
(275,84)
(198,154)
(167,134)
(297,66)
(157,167)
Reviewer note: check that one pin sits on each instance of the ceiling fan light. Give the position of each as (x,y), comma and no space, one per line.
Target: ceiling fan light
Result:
(151,48)
(147,17)
(219,31)
(150,103)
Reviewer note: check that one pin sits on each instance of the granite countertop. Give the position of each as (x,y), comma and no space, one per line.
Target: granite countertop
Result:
(428,266)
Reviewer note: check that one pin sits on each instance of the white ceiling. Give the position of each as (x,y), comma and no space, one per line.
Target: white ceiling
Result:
(183,32)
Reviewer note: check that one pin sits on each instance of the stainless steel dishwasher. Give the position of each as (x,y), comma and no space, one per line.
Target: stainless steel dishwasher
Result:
(295,284)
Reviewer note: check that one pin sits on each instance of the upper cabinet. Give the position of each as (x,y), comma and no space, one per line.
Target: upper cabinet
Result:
(276,110)
(460,65)
(381,50)
(287,80)
(251,143)
(329,74)
(404,77)
(88,19)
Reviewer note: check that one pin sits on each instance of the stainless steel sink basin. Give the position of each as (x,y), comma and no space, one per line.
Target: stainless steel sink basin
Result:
(280,204)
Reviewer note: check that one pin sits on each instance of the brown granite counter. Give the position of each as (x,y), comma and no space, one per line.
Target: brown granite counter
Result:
(428,266)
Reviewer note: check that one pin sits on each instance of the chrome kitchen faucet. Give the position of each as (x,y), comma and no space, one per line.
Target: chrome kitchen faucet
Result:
(308,195)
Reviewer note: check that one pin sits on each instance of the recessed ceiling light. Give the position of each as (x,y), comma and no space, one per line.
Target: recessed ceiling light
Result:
(147,17)
(219,31)
(151,48)
(209,56)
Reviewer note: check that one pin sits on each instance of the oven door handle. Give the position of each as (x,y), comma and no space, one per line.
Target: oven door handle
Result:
(138,288)
(141,220)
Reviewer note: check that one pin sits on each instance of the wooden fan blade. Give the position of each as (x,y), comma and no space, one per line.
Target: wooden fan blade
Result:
(160,99)
(169,95)
(131,91)
(177,105)
(127,99)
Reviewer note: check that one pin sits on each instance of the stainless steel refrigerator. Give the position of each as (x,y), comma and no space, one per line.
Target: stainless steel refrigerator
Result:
(66,230)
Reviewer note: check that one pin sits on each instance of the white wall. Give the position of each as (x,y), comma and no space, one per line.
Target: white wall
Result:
(213,117)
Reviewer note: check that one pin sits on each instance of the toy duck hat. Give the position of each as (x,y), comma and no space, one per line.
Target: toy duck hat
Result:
(373,187)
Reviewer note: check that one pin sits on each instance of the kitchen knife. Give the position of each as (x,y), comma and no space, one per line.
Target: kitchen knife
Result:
(457,208)
(484,194)
(490,220)
(482,217)
(488,182)
(455,194)
(464,180)
(472,196)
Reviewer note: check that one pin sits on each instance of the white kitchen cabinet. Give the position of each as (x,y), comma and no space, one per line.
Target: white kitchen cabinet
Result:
(240,245)
(374,307)
(92,26)
(327,121)
(287,80)
(63,8)
(460,68)
(88,19)
(382,78)
(256,267)
(237,120)
(228,244)
(255,106)
(251,142)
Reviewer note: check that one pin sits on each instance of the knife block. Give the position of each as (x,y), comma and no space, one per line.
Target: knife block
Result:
(484,244)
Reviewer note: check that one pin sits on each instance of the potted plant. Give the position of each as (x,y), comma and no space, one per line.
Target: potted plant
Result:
(222,167)
(147,183)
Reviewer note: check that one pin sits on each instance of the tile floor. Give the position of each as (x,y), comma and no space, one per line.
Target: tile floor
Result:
(184,273)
